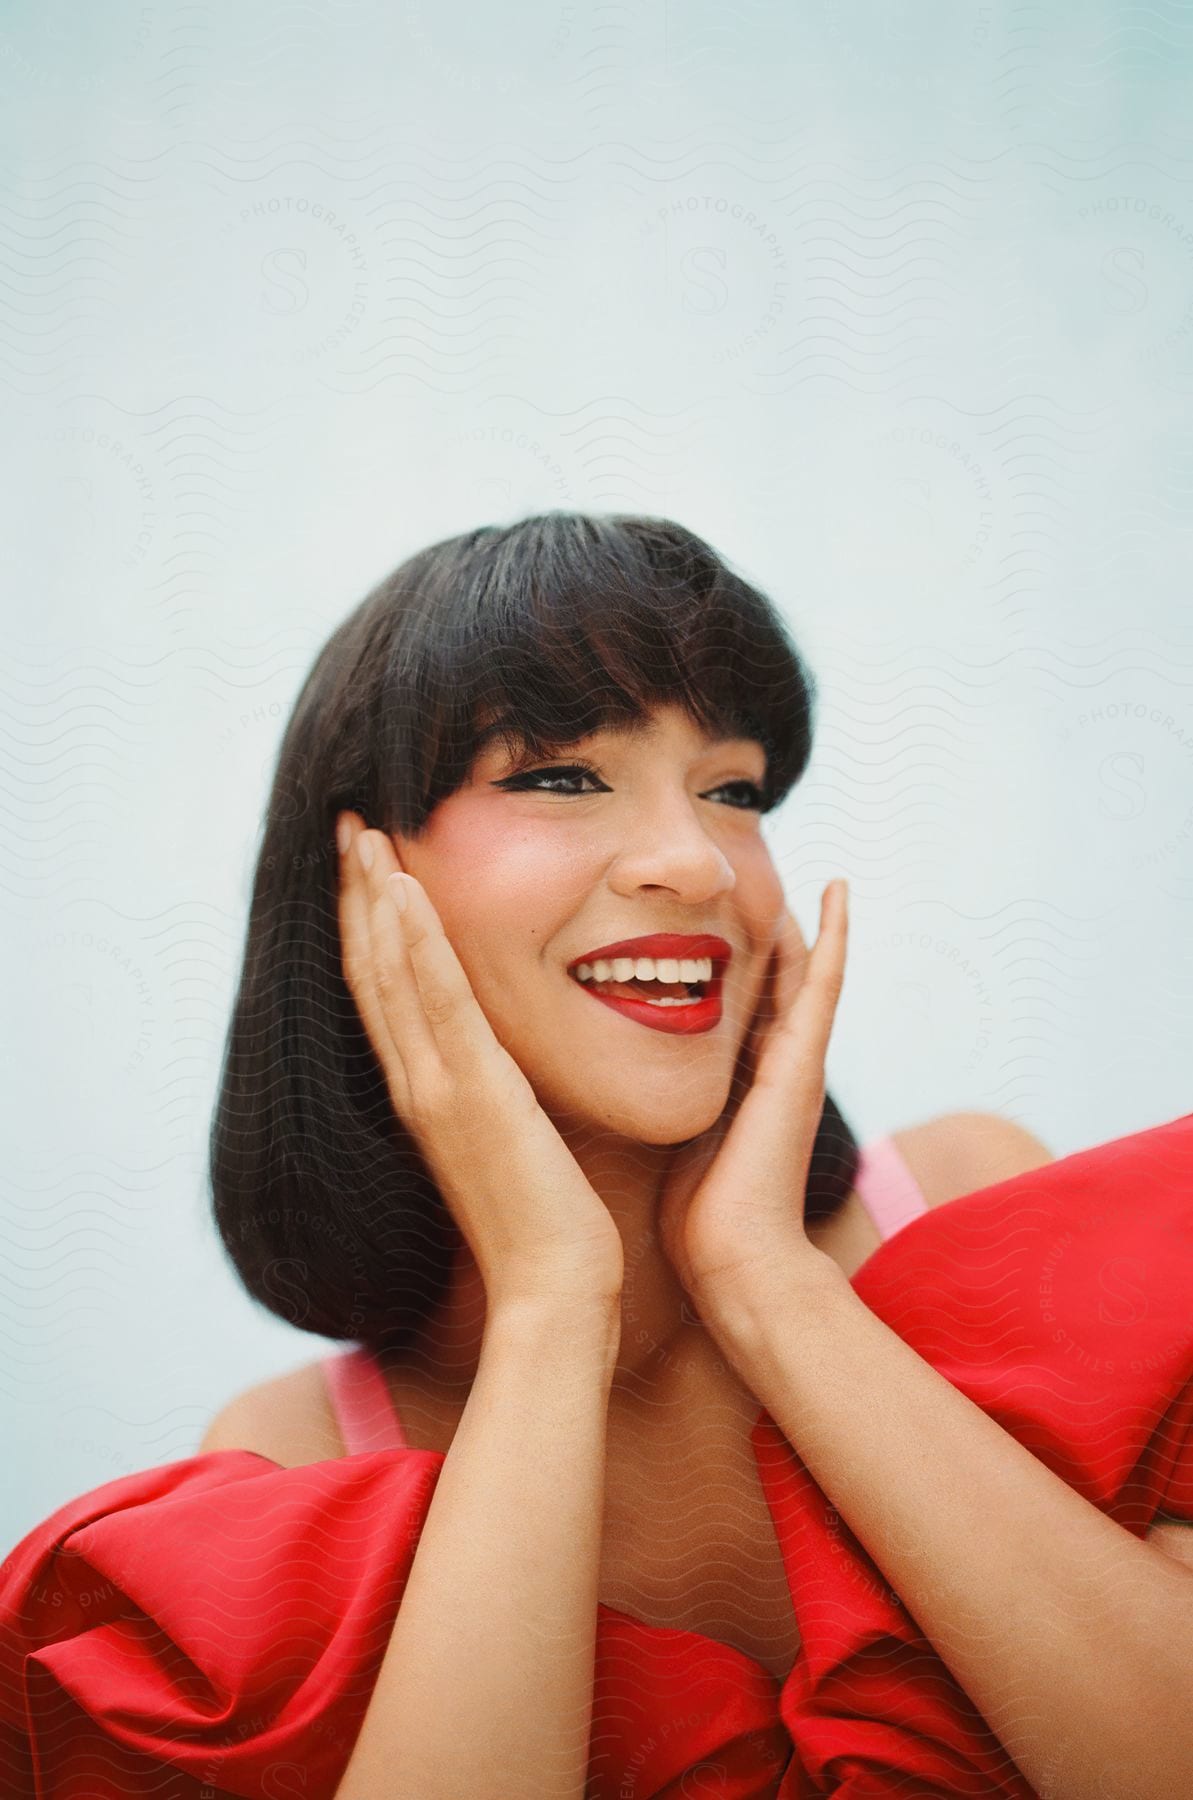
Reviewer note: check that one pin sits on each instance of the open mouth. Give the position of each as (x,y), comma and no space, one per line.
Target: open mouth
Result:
(674,981)
(680,996)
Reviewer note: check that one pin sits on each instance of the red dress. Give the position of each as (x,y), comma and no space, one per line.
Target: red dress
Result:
(214,1626)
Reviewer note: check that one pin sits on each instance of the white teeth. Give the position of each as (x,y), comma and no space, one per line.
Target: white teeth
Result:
(669,1000)
(646,968)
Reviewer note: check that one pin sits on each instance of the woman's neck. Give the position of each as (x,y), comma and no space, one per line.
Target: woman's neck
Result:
(664,1344)
(657,1318)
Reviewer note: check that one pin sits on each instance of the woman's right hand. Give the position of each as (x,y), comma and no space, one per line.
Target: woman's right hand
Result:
(533,1222)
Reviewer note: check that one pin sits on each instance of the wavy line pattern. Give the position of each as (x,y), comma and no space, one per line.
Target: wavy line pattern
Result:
(893,304)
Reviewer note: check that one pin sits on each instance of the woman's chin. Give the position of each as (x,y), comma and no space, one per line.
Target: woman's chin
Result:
(670,1132)
(662,1125)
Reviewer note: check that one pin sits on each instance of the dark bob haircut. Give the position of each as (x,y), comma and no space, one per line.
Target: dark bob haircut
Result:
(541,631)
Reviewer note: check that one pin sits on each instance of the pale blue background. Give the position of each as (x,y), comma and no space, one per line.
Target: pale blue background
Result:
(892,303)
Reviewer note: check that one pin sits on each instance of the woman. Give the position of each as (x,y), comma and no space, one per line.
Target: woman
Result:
(550,1143)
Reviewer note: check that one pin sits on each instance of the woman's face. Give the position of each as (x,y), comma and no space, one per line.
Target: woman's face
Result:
(530,875)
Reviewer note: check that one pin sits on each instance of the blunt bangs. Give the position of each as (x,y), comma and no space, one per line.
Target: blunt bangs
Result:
(563,625)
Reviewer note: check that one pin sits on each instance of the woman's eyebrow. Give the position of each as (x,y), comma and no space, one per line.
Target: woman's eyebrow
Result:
(501,728)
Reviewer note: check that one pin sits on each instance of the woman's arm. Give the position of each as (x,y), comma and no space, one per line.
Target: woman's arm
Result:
(961,1152)
(486,1686)
(1072,1637)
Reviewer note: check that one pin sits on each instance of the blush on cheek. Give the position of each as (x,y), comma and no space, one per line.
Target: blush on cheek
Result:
(494,880)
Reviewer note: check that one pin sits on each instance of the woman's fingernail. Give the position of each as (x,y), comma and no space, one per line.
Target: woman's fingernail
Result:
(399,891)
(365,850)
(343,835)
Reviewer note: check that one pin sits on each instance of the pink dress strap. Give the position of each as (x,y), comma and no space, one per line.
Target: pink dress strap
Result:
(887,1188)
(360,1401)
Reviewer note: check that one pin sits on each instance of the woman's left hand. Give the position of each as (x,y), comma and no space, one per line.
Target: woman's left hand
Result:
(731,1216)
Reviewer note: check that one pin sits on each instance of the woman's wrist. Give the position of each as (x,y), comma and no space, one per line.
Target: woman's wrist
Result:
(553,1324)
(748,1309)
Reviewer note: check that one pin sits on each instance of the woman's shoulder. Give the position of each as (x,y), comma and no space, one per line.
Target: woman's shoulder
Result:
(960,1152)
(947,1157)
(287,1417)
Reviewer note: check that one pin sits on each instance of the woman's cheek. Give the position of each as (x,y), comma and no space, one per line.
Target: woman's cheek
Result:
(503,896)
(760,896)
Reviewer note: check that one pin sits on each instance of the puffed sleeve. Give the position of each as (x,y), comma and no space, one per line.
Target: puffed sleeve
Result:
(1059,1302)
(210,1627)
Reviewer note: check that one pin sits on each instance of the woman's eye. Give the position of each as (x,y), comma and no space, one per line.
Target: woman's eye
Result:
(753,794)
(536,780)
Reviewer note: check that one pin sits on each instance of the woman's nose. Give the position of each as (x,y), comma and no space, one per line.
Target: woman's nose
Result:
(671,849)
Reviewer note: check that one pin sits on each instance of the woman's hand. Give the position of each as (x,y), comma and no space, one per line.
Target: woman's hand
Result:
(535,1225)
(731,1215)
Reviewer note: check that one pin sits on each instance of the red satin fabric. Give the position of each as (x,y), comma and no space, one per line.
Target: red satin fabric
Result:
(214,1626)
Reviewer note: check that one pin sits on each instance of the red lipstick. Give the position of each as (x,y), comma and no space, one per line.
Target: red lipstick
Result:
(682,1021)
(661,943)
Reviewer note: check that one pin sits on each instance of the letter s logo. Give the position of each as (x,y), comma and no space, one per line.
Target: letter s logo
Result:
(1131,1300)
(707,1778)
(915,997)
(290,1299)
(1125,291)
(490,485)
(917,490)
(284,1772)
(285,291)
(1130,801)
(714,290)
